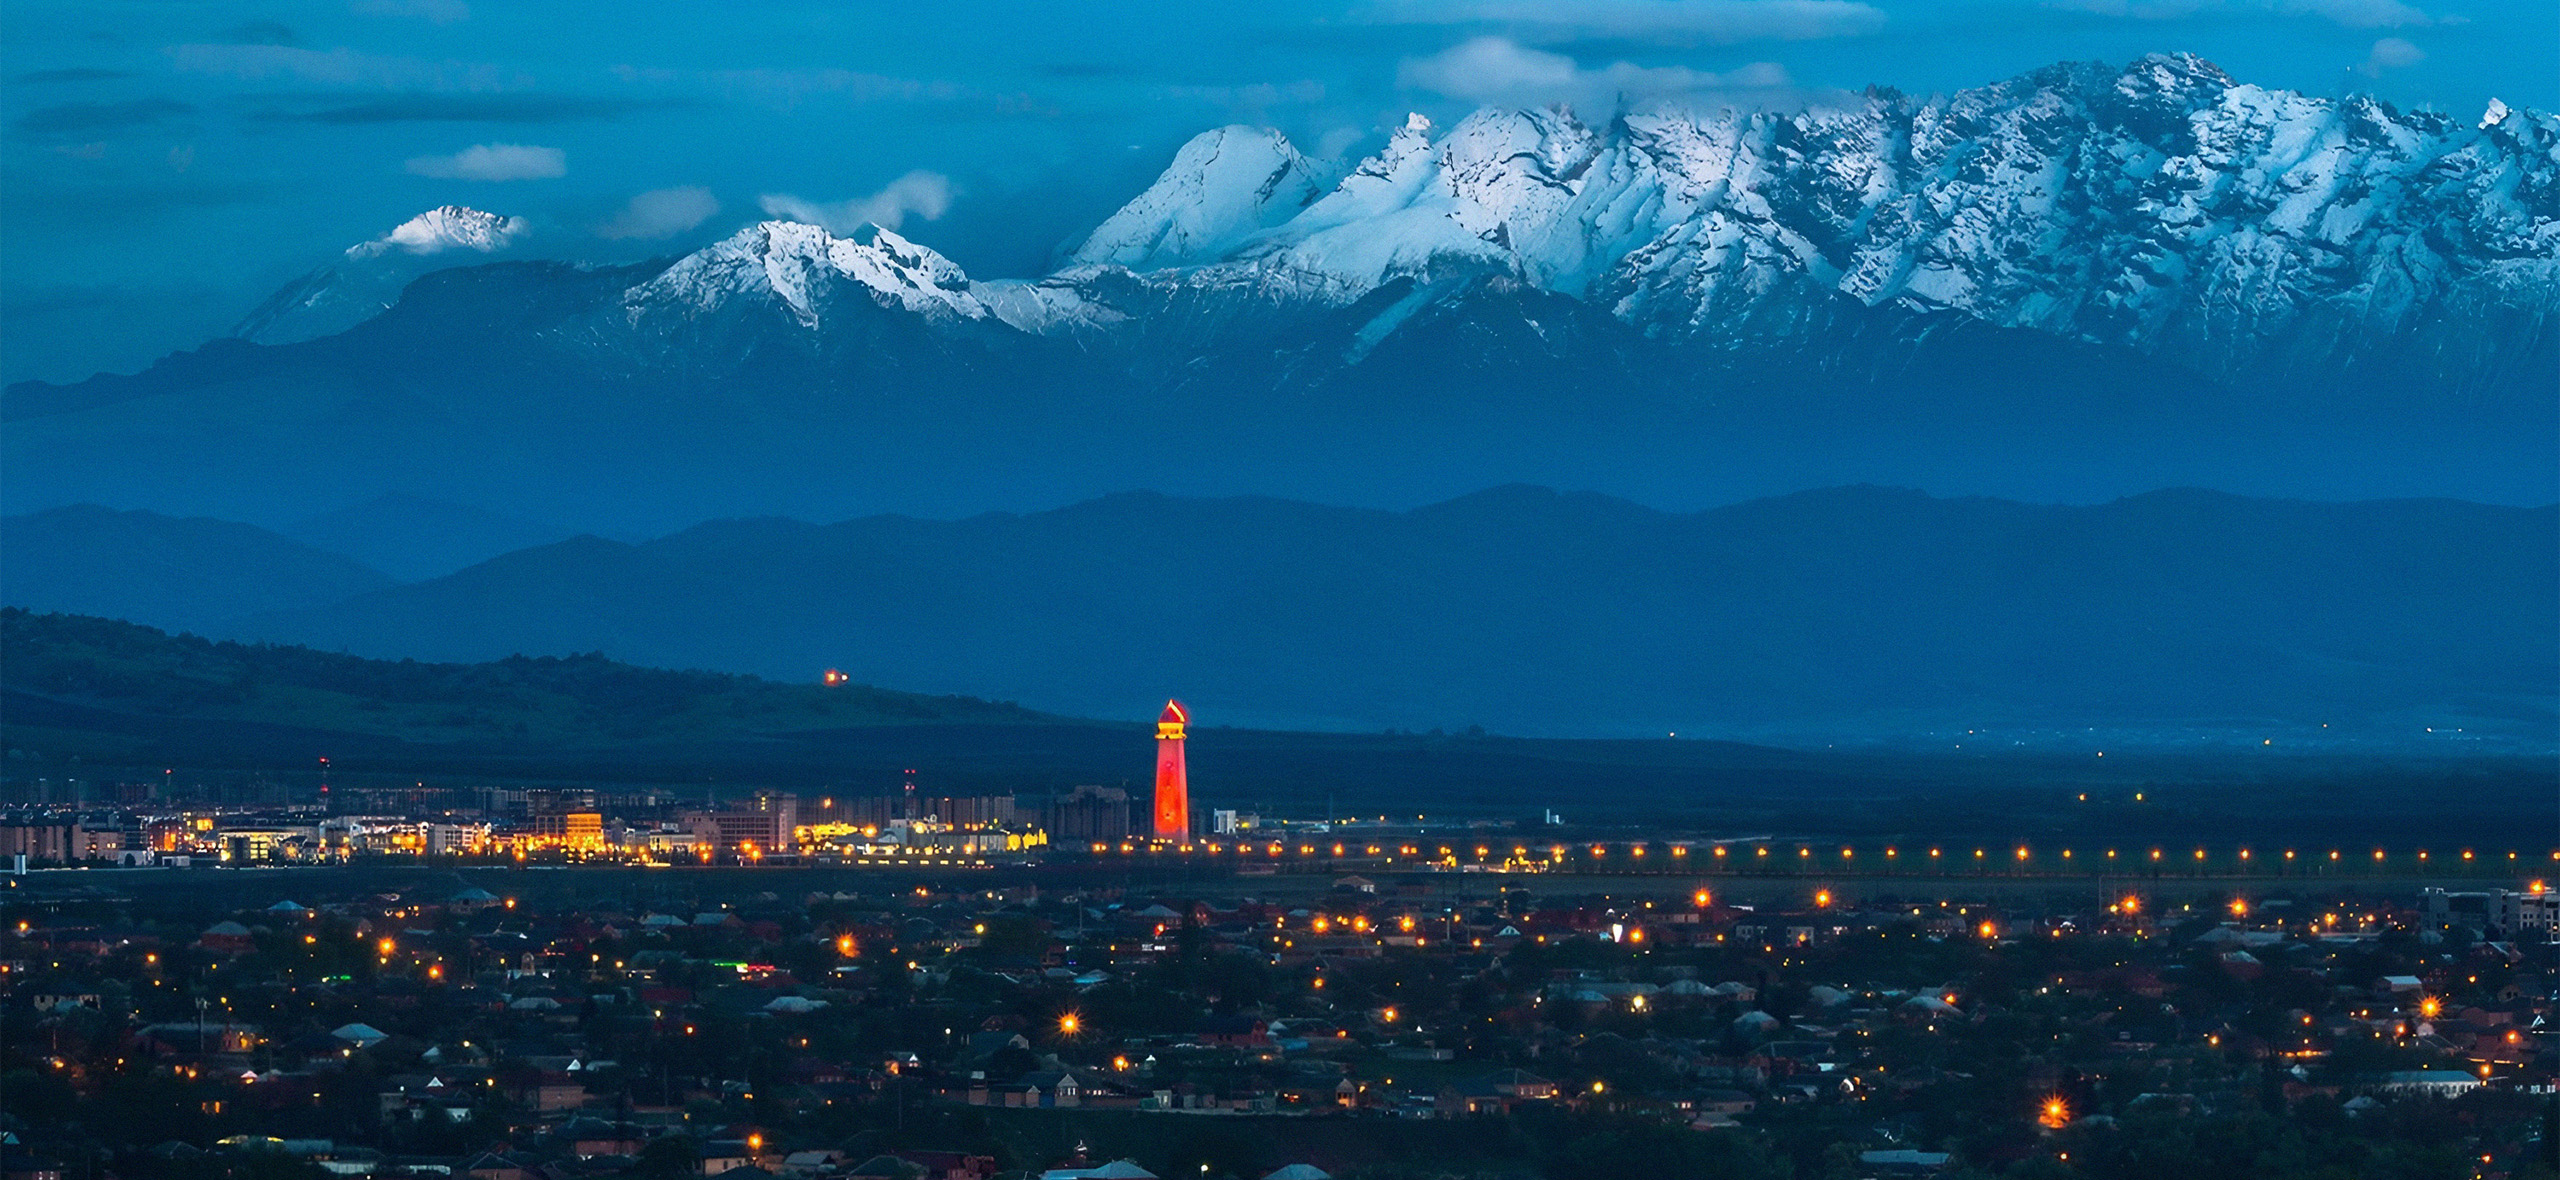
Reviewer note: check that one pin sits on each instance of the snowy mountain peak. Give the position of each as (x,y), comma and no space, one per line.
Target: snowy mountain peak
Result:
(806,270)
(1513,168)
(2496,114)
(446,227)
(2168,73)
(367,277)
(1409,143)
(1222,188)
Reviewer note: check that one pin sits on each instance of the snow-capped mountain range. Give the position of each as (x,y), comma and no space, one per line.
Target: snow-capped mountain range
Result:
(2083,282)
(2233,230)
(2229,229)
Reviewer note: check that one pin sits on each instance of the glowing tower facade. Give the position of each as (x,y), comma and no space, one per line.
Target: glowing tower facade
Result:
(1173,781)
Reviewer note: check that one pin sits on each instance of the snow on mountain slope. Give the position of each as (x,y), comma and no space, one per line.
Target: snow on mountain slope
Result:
(2163,206)
(804,270)
(2224,227)
(370,275)
(1222,188)
(445,227)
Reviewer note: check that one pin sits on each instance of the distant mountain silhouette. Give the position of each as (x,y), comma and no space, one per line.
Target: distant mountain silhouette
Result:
(412,538)
(182,574)
(1839,613)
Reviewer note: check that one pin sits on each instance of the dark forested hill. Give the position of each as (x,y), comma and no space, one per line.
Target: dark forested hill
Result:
(76,674)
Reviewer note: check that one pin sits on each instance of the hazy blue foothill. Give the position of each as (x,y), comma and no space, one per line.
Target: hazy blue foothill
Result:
(191,573)
(412,539)
(1817,616)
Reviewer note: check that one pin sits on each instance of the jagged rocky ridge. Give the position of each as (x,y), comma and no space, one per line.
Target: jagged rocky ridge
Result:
(2233,230)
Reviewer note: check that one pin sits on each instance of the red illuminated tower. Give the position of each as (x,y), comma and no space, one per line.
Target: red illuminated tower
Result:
(1173,784)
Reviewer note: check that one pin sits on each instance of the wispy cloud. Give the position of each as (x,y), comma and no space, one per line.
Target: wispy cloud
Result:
(2353,14)
(430,107)
(1253,96)
(261,32)
(789,87)
(443,12)
(1698,20)
(91,118)
(662,213)
(1498,70)
(494,161)
(923,194)
(136,201)
(339,67)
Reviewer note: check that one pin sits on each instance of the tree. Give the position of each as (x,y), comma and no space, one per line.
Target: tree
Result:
(669,1157)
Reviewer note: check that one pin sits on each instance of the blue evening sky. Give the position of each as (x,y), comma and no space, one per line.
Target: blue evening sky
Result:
(165,165)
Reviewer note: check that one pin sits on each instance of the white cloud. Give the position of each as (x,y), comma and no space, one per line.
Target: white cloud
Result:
(494,161)
(1498,70)
(1708,20)
(446,228)
(2390,53)
(434,233)
(661,213)
(1486,68)
(924,194)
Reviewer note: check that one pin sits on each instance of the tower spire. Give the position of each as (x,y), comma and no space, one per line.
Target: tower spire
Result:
(1173,786)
